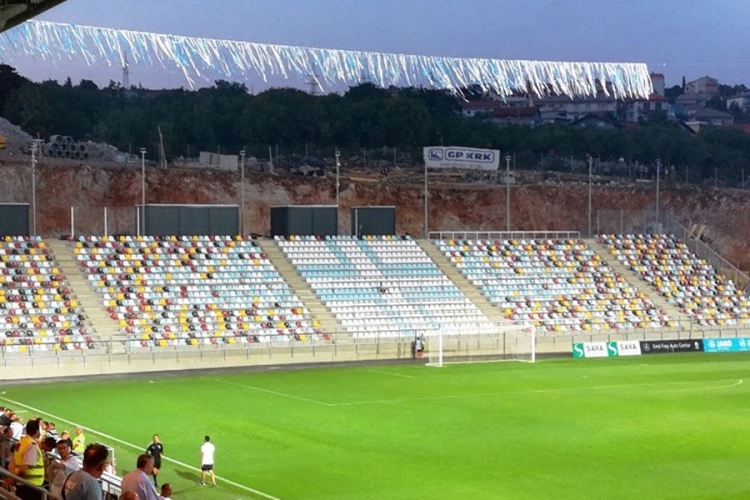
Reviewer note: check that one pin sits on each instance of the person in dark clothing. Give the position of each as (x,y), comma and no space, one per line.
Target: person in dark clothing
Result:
(156,450)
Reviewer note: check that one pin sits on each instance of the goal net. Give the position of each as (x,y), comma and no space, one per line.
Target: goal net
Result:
(501,343)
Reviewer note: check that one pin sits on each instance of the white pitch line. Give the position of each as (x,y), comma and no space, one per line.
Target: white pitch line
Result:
(140,448)
(578,390)
(275,393)
(391,374)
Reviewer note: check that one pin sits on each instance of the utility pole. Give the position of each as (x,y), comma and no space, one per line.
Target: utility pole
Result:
(242,191)
(591,168)
(142,227)
(507,193)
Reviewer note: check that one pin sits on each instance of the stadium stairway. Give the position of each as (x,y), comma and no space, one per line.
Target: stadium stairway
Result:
(299,287)
(452,272)
(90,300)
(634,281)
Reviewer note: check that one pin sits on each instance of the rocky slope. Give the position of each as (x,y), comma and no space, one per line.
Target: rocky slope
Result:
(452,207)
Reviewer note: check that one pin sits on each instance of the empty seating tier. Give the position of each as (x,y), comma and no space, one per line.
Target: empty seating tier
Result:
(681,277)
(37,311)
(193,290)
(554,284)
(383,286)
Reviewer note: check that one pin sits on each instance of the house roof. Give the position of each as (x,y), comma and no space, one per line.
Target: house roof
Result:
(708,113)
(700,96)
(657,75)
(598,118)
(514,112)
(743,94)
(483,105)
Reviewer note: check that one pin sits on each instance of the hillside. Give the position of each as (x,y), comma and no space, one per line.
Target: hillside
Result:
(452,207)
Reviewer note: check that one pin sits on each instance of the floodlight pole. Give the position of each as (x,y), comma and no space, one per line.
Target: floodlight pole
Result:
(426,203)
(34,147)
(507,193)
(658,178)
(338,173)
(142,216)
(242,191)
(591,168)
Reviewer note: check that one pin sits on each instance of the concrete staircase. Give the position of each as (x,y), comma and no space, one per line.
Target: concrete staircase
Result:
(636,282)
(467,287)
(90,299)
(300,287)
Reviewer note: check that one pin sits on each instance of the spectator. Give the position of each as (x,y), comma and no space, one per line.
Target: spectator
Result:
(138,482)
(16,425)
(207,461)
(59,471)
(65,436)
(48,448)
(79,442)
(166,492)
(6,448)
(83,484)
(28,463)
(52,431)
(4,417)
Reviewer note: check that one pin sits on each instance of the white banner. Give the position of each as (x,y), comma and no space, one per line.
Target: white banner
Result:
(455,157)
(590,350)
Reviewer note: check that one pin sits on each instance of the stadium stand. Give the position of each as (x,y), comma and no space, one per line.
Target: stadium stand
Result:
(382,286)
(685,280)
(37,309)
(555,284)
(193,290)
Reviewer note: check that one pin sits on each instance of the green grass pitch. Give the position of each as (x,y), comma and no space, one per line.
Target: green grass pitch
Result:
(657,427)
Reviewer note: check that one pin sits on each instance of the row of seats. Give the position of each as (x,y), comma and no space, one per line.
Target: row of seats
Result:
(382,286)
(189,290)
(554,284)
(681,277)
(37,309)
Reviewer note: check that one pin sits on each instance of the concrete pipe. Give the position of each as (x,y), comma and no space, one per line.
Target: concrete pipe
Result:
(56,139)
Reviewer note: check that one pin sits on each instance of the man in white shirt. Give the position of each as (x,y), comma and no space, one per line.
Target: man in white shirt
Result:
(207,461)
(16,425)
(60,470)
(138,482)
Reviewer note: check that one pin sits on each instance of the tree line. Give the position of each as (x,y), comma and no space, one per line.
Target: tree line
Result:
(228,118)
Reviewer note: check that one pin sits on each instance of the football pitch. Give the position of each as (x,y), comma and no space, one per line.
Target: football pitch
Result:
(657,427)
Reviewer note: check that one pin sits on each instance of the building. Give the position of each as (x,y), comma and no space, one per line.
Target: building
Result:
(709,117)
(596,121)
(559,107)
(641,110)
(658,82)
(515,115)
(703,85)
(487,107)
(742,101)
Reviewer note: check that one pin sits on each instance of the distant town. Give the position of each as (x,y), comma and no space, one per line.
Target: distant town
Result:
(693,104)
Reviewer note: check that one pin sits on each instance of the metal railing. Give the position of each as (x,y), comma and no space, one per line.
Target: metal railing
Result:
(109,482)
(504,235)
(338,346)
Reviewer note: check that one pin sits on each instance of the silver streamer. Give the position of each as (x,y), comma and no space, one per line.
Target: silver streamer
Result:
(197,58)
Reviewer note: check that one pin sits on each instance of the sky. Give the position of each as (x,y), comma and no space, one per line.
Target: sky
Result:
(674,37)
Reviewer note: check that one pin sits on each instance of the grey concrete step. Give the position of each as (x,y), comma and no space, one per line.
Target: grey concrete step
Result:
(90,300)
(457,277)
(636,282)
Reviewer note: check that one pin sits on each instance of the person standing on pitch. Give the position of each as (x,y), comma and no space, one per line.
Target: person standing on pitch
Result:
(156,450)
(207,461)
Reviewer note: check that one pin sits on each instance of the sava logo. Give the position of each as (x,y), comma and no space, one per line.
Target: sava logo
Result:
(590,350)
